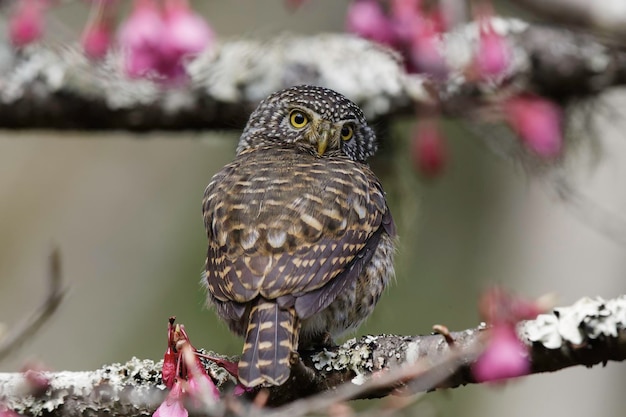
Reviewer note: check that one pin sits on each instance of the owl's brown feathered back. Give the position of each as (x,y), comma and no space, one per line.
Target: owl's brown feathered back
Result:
(289,230)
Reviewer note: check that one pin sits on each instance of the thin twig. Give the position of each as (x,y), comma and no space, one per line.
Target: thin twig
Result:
(393,405)
(421,376)
(30,325)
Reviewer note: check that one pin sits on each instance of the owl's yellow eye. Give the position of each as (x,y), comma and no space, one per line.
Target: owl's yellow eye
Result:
(298,119)
(347,132)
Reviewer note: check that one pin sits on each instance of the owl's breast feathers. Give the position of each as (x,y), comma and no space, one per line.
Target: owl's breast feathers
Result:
(283,224)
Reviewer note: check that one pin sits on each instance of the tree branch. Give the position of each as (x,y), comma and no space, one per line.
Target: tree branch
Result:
(21,332)
(56,87)
(589,332)
(608,16)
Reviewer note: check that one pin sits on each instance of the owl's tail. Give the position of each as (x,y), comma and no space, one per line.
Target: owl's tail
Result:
(271,336)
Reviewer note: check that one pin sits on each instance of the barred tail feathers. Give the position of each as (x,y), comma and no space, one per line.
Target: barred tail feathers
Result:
(271,336)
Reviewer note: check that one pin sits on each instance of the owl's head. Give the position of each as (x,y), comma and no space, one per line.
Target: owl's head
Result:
(315,118)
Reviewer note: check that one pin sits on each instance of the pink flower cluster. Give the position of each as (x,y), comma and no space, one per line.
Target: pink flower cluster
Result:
(183,374)
(405,25)
(414,28)
(428,149)
(156,39)
(505,355)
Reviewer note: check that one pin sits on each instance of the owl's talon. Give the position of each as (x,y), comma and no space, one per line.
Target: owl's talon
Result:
(327,341)
(445,332)
(299,369)
(294,358)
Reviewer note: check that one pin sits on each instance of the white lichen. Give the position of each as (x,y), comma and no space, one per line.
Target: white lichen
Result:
(359,379)
(412,352)
(324,360)
(104,387)
(251,70)
(357,357)
(587,319)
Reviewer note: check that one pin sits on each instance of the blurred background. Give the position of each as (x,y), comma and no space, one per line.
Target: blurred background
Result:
(124,209)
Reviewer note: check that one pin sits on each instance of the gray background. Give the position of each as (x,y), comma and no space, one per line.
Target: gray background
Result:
(125,211)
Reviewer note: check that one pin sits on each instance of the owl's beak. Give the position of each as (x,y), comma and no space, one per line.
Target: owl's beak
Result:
(322,144)
(321,135)
(324,136)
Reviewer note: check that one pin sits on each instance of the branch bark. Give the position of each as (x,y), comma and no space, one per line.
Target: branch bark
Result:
(608,17)
(56,87)
(589,332)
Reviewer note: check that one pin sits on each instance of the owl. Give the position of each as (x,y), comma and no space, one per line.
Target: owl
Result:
(301,240)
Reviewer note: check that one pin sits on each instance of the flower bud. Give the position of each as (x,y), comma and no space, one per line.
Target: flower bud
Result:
(367,19)
(537,121)
(26,24)
(493,55)
(504,357)
(140,37)
(428,150)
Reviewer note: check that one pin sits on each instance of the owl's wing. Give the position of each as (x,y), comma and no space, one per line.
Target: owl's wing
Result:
(300,233)
(310,302)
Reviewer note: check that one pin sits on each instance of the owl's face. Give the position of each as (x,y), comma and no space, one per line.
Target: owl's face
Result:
(315,118)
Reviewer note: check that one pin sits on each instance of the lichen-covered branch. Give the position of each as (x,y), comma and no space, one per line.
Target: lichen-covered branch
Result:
(127,389)
(607,16)
(57,87)
(589,332)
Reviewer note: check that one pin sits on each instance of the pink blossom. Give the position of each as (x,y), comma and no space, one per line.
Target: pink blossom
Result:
(183,374)
(35,375)
(27,23)
(140,38)
(185,33)
(96,37)
(405,17)
(144,27)
(200,383)
(428,150)
(367,19)
(173,404)
(170,368)
(96,40)
(493,55)
(537,121)
(156,41)
(504,357)
(424,53)
(401,9)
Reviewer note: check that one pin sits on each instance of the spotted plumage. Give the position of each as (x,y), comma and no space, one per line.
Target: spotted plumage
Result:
(301,239)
